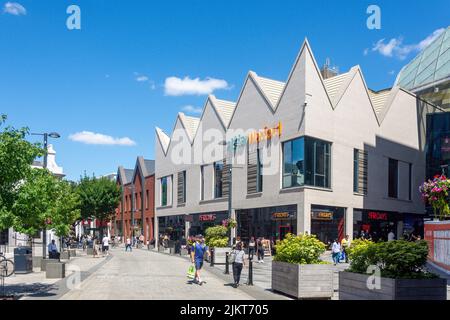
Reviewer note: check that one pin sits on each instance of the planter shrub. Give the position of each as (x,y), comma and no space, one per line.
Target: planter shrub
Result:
(298,271)
(302,249)
(216,237)
(396,259)
(403,274)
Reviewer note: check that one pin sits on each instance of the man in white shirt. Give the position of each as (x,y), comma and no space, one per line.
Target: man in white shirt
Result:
(105,242)
(336,251)
(391,236)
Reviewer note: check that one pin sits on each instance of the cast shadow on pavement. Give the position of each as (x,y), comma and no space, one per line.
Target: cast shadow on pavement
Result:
(37,290)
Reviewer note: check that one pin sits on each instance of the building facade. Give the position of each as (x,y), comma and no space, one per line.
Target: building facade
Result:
(327,156)
(135,214)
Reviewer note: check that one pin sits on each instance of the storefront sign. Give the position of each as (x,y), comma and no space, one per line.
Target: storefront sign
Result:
(207,217)
(281,215)
(322,215)
(373,215)
(255,137)
(265,134)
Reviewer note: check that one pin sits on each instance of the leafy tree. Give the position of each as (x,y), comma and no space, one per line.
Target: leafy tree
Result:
(16,158)
(99,198)
(44,201)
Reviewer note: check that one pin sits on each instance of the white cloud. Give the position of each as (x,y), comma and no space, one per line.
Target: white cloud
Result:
(192,109)
(14,8)
(396,48)
(88,137)
(392,72)
(177,87)
(366,51)
(141,78)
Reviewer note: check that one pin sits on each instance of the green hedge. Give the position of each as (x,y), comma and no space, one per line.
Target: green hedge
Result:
(396,259)
(216,237)
(301,249)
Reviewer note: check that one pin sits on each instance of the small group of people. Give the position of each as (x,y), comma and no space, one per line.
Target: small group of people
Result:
(339,250)
(257,246)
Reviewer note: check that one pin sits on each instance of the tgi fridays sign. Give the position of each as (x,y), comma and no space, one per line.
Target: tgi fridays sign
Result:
(207,217)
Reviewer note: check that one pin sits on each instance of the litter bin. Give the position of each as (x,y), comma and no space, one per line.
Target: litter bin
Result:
(23,260)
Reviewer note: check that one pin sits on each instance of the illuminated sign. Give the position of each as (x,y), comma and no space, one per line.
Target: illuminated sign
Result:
(255,136)
(207,217)
(322,215)
(373,215)
(281,215)
(265,134)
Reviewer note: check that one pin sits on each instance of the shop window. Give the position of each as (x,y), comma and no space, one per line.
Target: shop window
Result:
(254,171)
(410,181)
(202,182)
(218,179)
(164,191)
(360,171)
(393,179)
(306,161)
(181,187)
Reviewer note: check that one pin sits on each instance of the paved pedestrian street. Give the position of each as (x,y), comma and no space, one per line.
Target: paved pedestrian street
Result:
(142,275)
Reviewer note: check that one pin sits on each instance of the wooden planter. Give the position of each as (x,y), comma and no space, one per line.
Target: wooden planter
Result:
(353,286)
(309,281)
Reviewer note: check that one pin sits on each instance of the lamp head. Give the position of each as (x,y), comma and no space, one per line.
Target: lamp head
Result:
(54,135)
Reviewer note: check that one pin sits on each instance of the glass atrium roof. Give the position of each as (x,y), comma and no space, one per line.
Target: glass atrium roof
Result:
(430,66)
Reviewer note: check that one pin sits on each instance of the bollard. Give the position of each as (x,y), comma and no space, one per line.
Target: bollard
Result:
(227,265)
(250,272)
(212,257)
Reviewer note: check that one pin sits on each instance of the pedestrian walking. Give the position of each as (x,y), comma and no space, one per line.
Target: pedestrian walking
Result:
(238,258)
(251,247)
(128,245)
(345,244)
(198,256)
(260,249)
(105,247)
(336,251)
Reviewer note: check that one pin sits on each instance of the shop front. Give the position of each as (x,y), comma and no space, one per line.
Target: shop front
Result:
(272,223)
(328,223)
(375,224)
(172,226)
(201,221)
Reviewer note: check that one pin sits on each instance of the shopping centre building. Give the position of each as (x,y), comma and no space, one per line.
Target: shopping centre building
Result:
(320,153)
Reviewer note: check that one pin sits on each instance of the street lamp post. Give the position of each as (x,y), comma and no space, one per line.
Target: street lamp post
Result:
(53,135)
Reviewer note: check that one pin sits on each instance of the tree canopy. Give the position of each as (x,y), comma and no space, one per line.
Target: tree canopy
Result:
(16,157)
(44,201)
(99,198)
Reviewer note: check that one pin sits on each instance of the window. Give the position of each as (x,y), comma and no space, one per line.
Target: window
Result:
(218,179)
(164,191)
(181,187)
(254,171)
(410,181)
(360,171)
(202,182)
(393,179)
(306,161)
(147,200)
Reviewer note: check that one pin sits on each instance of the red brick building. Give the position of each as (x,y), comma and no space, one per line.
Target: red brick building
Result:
(138,199)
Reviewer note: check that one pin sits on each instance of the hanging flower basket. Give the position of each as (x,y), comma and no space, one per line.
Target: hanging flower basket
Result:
(436,194)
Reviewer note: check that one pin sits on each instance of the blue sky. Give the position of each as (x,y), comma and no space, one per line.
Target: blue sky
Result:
(133,64)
